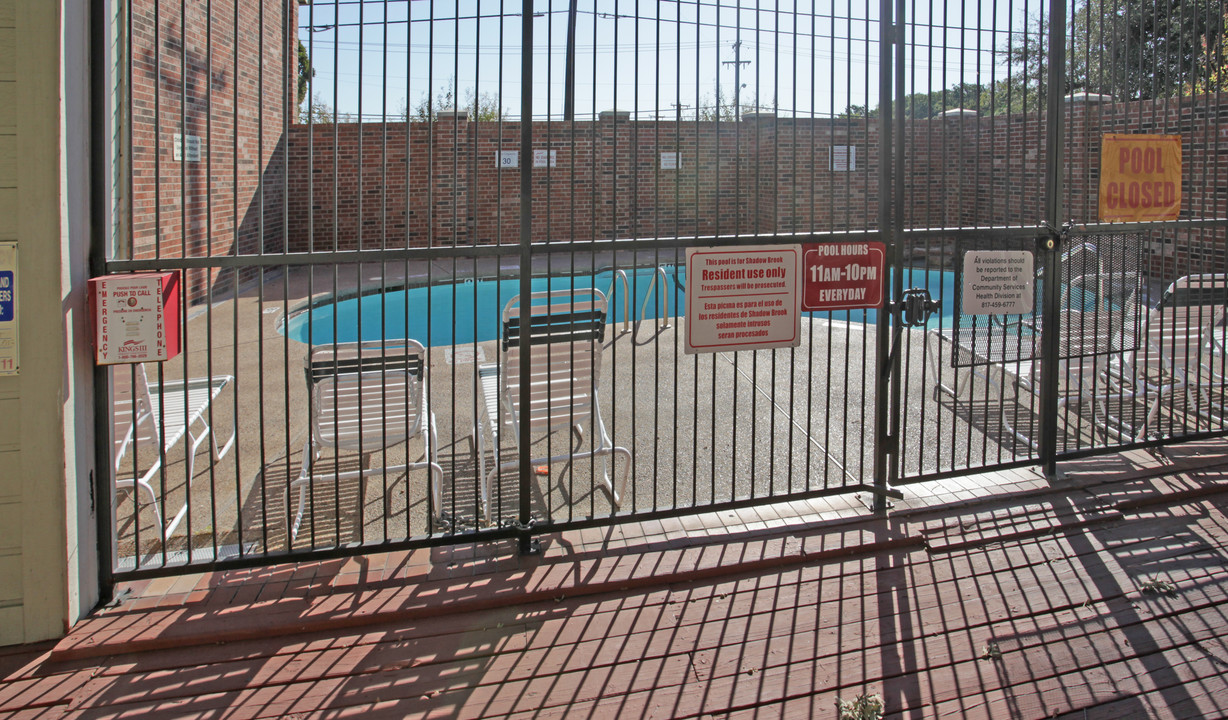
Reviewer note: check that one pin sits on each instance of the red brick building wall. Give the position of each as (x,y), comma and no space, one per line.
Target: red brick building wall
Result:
(193,75)
(607,180)
(760,175)
(990,171)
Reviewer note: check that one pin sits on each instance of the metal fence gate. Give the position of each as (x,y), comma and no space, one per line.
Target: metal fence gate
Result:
(431,261)
(1121,343)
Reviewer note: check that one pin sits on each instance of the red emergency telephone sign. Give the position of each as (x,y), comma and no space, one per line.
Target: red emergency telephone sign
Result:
(136,317)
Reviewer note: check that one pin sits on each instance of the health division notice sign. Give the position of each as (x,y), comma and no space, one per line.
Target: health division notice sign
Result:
(843,276)
(742,298)
(1140,177)
(997,282)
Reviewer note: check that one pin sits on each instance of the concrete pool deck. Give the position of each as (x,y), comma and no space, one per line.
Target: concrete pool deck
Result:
(702,429)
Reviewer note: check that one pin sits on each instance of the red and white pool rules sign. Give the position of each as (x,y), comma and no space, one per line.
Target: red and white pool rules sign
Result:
(742,298)
(843,276)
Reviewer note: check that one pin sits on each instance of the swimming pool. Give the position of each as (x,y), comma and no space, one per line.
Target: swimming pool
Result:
(468,311)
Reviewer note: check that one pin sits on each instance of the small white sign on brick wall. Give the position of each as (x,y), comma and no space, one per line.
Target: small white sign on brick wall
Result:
(541,159)
(843,158)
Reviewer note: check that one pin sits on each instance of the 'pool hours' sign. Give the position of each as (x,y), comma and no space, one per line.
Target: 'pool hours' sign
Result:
(997,282)
(842,276)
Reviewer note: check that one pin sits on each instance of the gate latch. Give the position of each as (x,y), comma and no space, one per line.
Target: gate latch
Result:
(915,307)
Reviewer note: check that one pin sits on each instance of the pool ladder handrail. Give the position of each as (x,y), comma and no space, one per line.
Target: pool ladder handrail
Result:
(660,272)
(619,274)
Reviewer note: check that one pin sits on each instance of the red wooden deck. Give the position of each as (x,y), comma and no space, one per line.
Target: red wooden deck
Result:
(1102,596)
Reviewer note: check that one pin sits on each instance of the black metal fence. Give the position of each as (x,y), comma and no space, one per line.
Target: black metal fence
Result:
(370,201)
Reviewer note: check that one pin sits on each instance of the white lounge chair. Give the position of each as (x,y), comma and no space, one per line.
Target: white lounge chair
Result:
(368,397)
(1170,349)
(565,331)
(1093,305)
(159,417)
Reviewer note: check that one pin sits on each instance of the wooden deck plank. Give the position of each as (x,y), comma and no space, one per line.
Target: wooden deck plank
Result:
(602,630)
(1203,698)
(1091,686)
(541,670)
(238,672)
(1069,659)
(773,625)
(597,573)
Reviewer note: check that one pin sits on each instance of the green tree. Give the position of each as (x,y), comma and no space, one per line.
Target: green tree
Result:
(482,107)
(723,108)
(1130,49)
(317,112)
(859,111)
(305,72)
(920,106)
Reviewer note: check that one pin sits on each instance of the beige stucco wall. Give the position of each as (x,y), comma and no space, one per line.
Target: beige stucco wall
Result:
(43,477)
(11,585)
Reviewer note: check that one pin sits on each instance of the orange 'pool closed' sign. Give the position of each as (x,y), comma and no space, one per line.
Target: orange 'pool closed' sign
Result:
(1140,177)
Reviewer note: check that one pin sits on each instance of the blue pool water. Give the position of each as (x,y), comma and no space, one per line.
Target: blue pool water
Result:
(465,312)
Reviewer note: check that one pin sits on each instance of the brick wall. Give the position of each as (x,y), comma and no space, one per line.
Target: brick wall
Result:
(608,179)
(990,171)
(185,81)
(375,185)
(761,175)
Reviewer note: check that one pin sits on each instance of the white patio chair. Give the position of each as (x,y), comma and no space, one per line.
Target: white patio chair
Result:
(159,417)
(367,397)
(1093,306)
(1171,349)
(565,330)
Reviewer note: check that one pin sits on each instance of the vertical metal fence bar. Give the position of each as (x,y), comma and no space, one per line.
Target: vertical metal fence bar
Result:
(657,180)
(159,436)
(209,276)
(895,172)
(286,109)
(125,244)
(883,363)
(474,127)
(695,360)
(429,123)
(235,284)
(1050,328)
(387,489)
(182,145)
(571,258)
(107,85)
(524,467)
(811,223)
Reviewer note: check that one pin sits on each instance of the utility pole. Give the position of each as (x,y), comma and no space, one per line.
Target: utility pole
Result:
(569,71)
(737,62)
(680,107)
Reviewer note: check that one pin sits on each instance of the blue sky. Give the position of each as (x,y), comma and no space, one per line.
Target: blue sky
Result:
(654,58)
